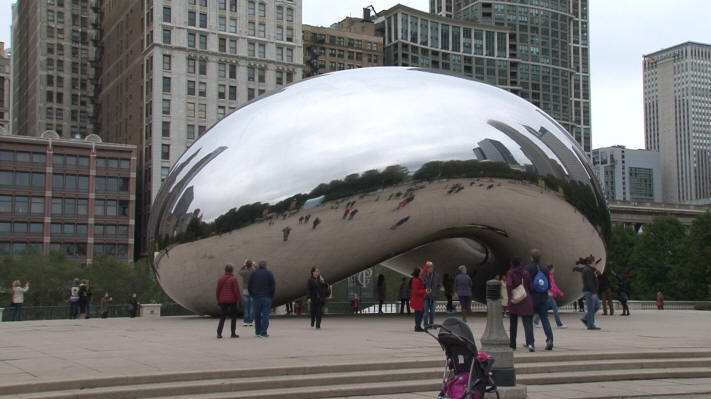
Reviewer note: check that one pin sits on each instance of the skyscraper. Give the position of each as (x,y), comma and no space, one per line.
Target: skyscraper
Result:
(677,118)
(166,80)
(628,175)
(548,50)
(5,87)
(53,67)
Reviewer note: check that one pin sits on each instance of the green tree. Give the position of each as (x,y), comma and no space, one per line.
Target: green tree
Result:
(622,242)
(700,253)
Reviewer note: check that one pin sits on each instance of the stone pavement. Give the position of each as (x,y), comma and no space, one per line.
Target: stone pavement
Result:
(64,349)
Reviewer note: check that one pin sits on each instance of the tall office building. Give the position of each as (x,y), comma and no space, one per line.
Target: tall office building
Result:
(677,118)
(171,69)
(349,44)
(5,87)
(628,175)
(53,67)
(548,48)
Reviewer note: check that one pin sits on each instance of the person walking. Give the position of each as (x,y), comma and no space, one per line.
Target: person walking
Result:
(74,299)
(285,232)
(540,281)
(247,303)
(417,298)
(623,286)
(590,289)
(463,288)
(432,286)
(261,287)
(553,293)
(448,285)
(382,292)
(404,296)
(515,277)
(18,299)
(228,296)
(133,306)
(317,291)
(104,306)
(660,301)
(605,293)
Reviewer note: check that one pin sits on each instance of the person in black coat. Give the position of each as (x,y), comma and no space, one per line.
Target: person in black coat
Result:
(317,291)
(133,306)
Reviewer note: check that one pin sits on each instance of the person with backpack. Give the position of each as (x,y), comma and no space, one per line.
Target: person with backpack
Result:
(317,291)
(74,299)
(541,284)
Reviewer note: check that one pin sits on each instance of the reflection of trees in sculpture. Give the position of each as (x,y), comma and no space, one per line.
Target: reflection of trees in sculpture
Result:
(471,168)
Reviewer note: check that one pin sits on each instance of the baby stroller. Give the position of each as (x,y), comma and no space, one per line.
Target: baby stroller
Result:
(467,372)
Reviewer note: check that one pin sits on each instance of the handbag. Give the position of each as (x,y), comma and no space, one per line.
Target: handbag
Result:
(518,294)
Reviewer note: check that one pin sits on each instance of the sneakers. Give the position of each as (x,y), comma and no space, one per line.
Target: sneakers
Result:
(549,345)
(537,325)
(531,348)
(245,324)
(219,336)
(562,326)
(594,328)
(419,329)
(585,323)
(234,336)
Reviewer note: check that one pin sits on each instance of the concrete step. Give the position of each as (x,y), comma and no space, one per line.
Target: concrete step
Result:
(537,370)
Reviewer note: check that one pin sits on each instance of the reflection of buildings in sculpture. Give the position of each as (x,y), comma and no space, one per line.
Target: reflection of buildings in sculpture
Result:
(572,164)
(541,162)
(628,175)
(493,150)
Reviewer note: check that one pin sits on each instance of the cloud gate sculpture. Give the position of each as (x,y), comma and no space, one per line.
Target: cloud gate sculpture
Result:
(378,165)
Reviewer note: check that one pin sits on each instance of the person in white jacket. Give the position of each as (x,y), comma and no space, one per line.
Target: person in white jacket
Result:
(18,298)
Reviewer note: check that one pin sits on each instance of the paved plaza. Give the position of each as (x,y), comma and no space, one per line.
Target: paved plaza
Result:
(38,351)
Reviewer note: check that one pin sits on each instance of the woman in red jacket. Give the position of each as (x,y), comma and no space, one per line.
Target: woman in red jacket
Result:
(417,298)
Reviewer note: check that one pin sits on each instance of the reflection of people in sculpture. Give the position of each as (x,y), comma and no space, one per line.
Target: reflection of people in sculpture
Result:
(355,304)
(345,213)
(352,214)
(404,296)
(301,219)
(399,223)
(286,232)
(317,221)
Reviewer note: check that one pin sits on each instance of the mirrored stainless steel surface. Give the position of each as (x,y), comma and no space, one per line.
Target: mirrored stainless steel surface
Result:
(438,168)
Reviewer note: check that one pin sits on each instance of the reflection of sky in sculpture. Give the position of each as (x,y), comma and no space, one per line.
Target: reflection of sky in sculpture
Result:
(293,155)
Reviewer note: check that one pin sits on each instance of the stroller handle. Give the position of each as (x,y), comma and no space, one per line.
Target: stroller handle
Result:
(439,326)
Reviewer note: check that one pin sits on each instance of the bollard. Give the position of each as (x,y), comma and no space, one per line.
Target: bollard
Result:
(495,342)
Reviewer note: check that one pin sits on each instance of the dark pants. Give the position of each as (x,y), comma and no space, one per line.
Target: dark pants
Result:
(380,305)
(16,311)
(623,300)
(540,307)
(262,307)
(527,329)
(418,319)
(73,309)
(228,309)
(289,308)
(450,305)
(316,309)
(404,304)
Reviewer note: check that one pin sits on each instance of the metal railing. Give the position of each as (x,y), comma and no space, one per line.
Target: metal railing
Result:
(64,311)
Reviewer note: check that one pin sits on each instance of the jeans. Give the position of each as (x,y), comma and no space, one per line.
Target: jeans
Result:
(418,319)
(513,328)
(17,311)
(248,309)
(540,307)
(228,309)
(262,307)
(73,309)
(430,305)
(88,310)
(552,305)
(593,303)
(450,305)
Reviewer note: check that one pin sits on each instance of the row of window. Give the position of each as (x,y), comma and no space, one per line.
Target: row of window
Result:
(10,178)
(195,40)
(64,229)
(341,41)
(21,205)
(72,249)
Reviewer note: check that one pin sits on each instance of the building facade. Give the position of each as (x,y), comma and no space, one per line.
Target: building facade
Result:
(628,175)
(68,195)
(549,47)
(416,38)
(164,82)
(349,44)
(677,118)
(5,88)
(53,67)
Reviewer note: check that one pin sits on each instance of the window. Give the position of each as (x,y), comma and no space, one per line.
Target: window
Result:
(233,25)
(233,46)
(262,9)
(38,180)
(221,70)
(250,49)
(165,152)
(279,33)
(250,94)
(261,30)
(82,207)
(191,18)
(221,92)
(166,84)
(280,53)
(166,62)
(166,14)
(164,172)
(233,93)
(203,42)
(191,65)
(221,23)
(191,88)
(165,129)
(221,45)
(166,107)
(250,28)
(22,205)
(6,204)
(203,20)
(279,13)
(202,67)
(250,8)
(166,36)
(202,111)
(69,207)
(190,110)
(260,75)
(290,14)
(250,74)
(280,77)
(191,40)
(190,131)
(262,51)
(37,206)
(202,89)
(289,34)
(220,112)
(233,71)
(289,55)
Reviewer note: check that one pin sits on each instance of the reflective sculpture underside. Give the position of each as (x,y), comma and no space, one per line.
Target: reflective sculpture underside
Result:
(377,165)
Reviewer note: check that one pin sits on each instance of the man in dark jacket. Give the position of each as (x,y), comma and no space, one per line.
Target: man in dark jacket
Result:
(590,289)
(317,292)
(227,297)
(261,288)
(540,299)
(604,292)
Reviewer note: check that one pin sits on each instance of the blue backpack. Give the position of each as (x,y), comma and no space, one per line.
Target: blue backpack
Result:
(540,281)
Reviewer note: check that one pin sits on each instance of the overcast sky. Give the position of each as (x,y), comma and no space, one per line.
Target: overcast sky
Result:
(621,32)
